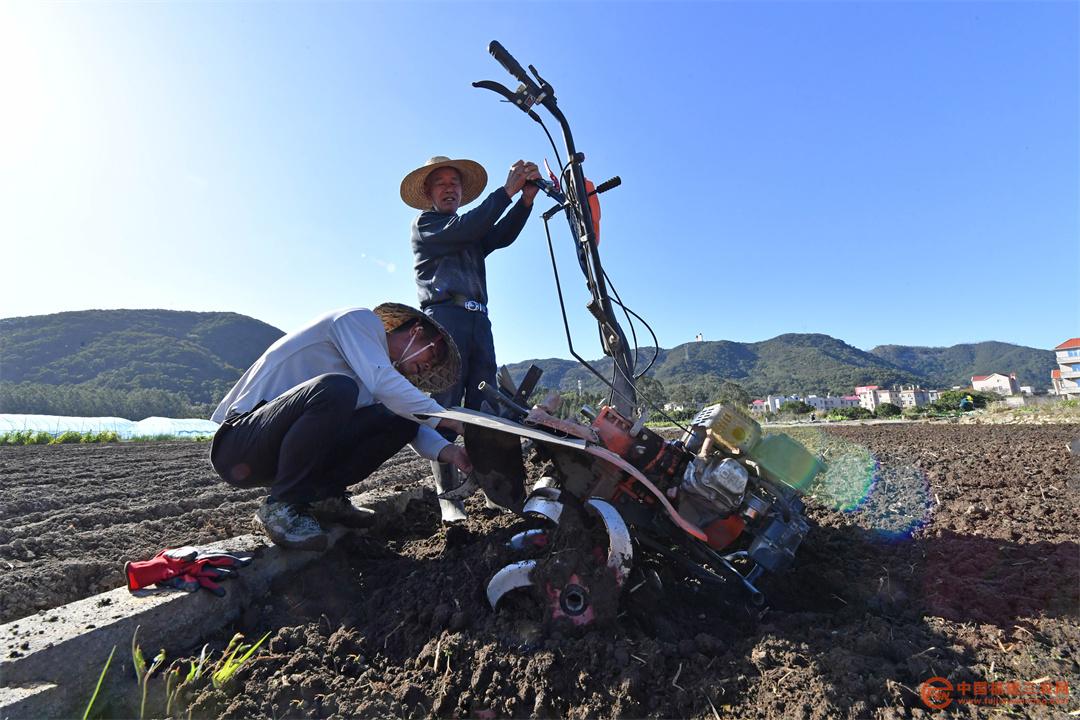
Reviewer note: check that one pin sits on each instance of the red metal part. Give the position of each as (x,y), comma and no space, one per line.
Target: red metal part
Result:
(556,600)
(721,533)
(614,432)
(626,467)
(594,208)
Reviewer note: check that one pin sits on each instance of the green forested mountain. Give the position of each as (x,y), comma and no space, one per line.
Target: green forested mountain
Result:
(136,363)
(812,364)
(110,354)
(946,367)
(794,363)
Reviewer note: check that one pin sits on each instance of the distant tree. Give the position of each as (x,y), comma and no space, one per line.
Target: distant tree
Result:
(651,391)
(571,402)
(796,407)
(92,401)
(950,399)
(885,410)
(733,393)
(849,413)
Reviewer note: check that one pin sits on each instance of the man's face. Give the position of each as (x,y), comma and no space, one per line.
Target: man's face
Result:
(421,355)
(443,187)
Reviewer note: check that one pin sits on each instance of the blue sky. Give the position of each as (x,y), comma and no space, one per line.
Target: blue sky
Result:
(885,173)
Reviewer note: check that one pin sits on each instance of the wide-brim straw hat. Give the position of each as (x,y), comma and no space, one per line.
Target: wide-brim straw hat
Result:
(440,376)
(473,181)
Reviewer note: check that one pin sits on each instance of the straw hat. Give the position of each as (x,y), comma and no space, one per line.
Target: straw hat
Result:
(473,181)
(439,377)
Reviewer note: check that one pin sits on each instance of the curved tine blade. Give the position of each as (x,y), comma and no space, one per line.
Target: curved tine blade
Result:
(545,507)
(462,491)
(549,482)
(551,493)
(620,548)
(528,539)
(513,576)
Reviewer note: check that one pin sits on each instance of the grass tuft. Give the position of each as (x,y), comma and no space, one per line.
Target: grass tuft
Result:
(97,689)
(230,663)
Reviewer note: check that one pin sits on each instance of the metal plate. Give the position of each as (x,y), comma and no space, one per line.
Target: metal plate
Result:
(500,461)
(479,419)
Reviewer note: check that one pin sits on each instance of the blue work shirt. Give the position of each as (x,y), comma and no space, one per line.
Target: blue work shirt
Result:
(449,249)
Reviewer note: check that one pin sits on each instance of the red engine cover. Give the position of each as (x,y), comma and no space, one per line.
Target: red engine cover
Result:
(723,532)
(614,432)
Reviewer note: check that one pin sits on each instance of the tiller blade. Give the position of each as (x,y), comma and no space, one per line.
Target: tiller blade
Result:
(567,593)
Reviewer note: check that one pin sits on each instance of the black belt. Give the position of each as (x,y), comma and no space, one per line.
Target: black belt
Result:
(463,302)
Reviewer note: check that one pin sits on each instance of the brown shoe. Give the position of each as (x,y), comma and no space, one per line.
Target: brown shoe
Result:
(341,511)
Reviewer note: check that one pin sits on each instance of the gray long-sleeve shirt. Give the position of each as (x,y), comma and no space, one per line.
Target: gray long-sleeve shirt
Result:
(349,342)
(449,249)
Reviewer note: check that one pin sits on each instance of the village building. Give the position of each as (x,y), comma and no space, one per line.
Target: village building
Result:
(1065,378)
(773,403)
(871,396)
(997,382)
(913,396)
(831,402)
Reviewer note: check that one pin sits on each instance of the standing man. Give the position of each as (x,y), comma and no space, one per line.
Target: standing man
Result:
(325,406)
(451,278)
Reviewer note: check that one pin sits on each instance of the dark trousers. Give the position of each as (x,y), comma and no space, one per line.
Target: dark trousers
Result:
(472,335)
(309,443)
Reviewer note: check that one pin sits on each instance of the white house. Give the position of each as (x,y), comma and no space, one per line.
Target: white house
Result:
(997,382)
(1066,377)
(867,395)
(913,396)
(831,402)
(870,396)
(774,402)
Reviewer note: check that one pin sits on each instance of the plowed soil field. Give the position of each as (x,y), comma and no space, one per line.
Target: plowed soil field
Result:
(936,551)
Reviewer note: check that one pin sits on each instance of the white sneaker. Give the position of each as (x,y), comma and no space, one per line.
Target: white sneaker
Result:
(290,525)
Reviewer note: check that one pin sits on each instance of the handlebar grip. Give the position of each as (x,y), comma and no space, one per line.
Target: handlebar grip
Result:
(608,185)
(508,62)
(510,97)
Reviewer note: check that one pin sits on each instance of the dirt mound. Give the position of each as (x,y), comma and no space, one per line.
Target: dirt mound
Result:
(935,551)
(911,582)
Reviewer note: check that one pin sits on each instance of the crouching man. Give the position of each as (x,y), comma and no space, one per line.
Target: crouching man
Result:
(325,406)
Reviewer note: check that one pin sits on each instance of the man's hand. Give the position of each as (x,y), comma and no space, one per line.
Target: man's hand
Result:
(520,173)
(454,426)
(456,456)
(528,191)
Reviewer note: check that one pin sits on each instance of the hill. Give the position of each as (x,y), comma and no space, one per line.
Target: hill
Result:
(946,367)
(811,364)
(793,363)
(194,356)
(136,363)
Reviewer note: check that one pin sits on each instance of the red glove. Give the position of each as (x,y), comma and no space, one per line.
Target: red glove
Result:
(200,574)
(185,568)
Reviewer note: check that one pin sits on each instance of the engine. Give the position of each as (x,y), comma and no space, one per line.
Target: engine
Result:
(741,480)
(726,477)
